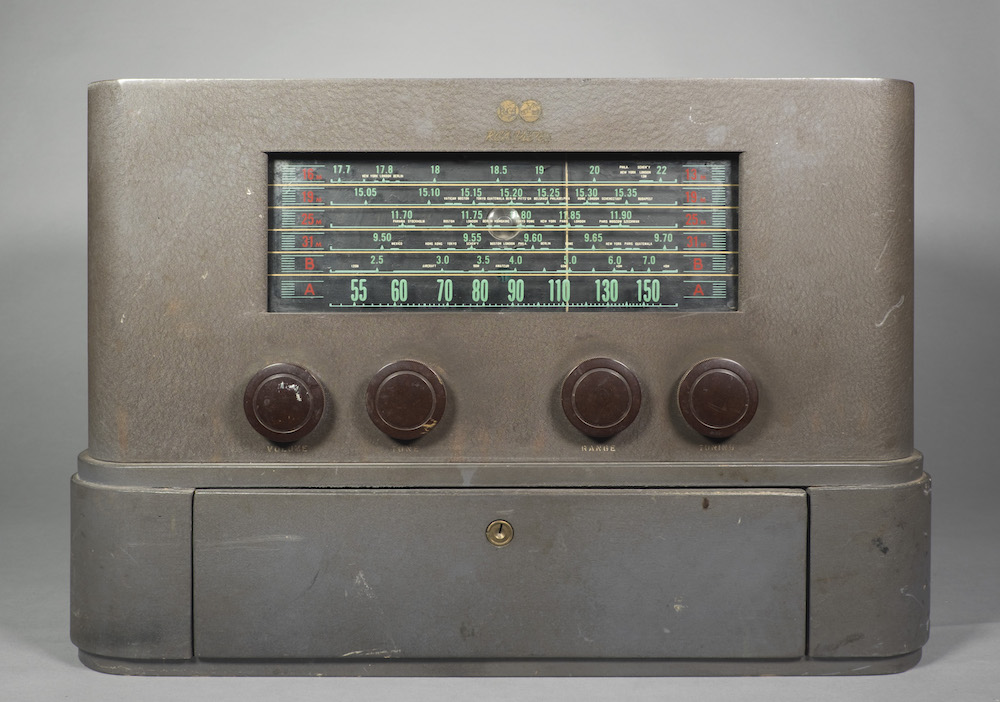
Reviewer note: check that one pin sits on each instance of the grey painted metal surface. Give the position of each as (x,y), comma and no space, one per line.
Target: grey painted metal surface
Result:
(130,573)
(178,198)
(547,667)
(402,474)
(587,574)
(870,563)
(178,325)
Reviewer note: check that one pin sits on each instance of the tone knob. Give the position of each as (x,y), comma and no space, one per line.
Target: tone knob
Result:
(406,399)
(283,402)
(717,397)
(601,396)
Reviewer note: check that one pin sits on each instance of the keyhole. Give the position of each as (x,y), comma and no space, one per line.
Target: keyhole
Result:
(499,532)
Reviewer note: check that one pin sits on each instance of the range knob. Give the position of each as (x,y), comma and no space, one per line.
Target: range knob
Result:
(717,397)
(283,402)
(406,399)
(601,396)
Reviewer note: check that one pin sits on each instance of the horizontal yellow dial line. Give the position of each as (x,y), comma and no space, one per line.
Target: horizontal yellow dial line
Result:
(480,274)
(503,184)
(650,251)
(494,205)
(467,229)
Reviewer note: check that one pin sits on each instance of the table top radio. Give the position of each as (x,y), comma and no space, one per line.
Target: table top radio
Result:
(500,377)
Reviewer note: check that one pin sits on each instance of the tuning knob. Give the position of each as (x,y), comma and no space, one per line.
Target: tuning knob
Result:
(601,396)
(717,397)
(406,399)
(283,402)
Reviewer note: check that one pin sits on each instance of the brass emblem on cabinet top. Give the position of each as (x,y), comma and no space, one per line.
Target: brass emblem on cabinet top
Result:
(528,111)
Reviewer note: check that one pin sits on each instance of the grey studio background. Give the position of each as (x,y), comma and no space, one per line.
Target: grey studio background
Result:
(50,51)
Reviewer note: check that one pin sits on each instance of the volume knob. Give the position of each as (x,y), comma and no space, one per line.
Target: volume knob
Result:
(283,402)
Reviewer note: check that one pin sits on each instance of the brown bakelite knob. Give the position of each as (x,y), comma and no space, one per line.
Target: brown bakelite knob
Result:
(717,397)
(406,399)
(283,402)
(600,397)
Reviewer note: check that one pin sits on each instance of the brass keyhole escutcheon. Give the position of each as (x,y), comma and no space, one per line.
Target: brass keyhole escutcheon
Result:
(499,532)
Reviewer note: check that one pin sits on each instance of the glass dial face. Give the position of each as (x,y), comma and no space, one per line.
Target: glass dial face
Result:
(411,232)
